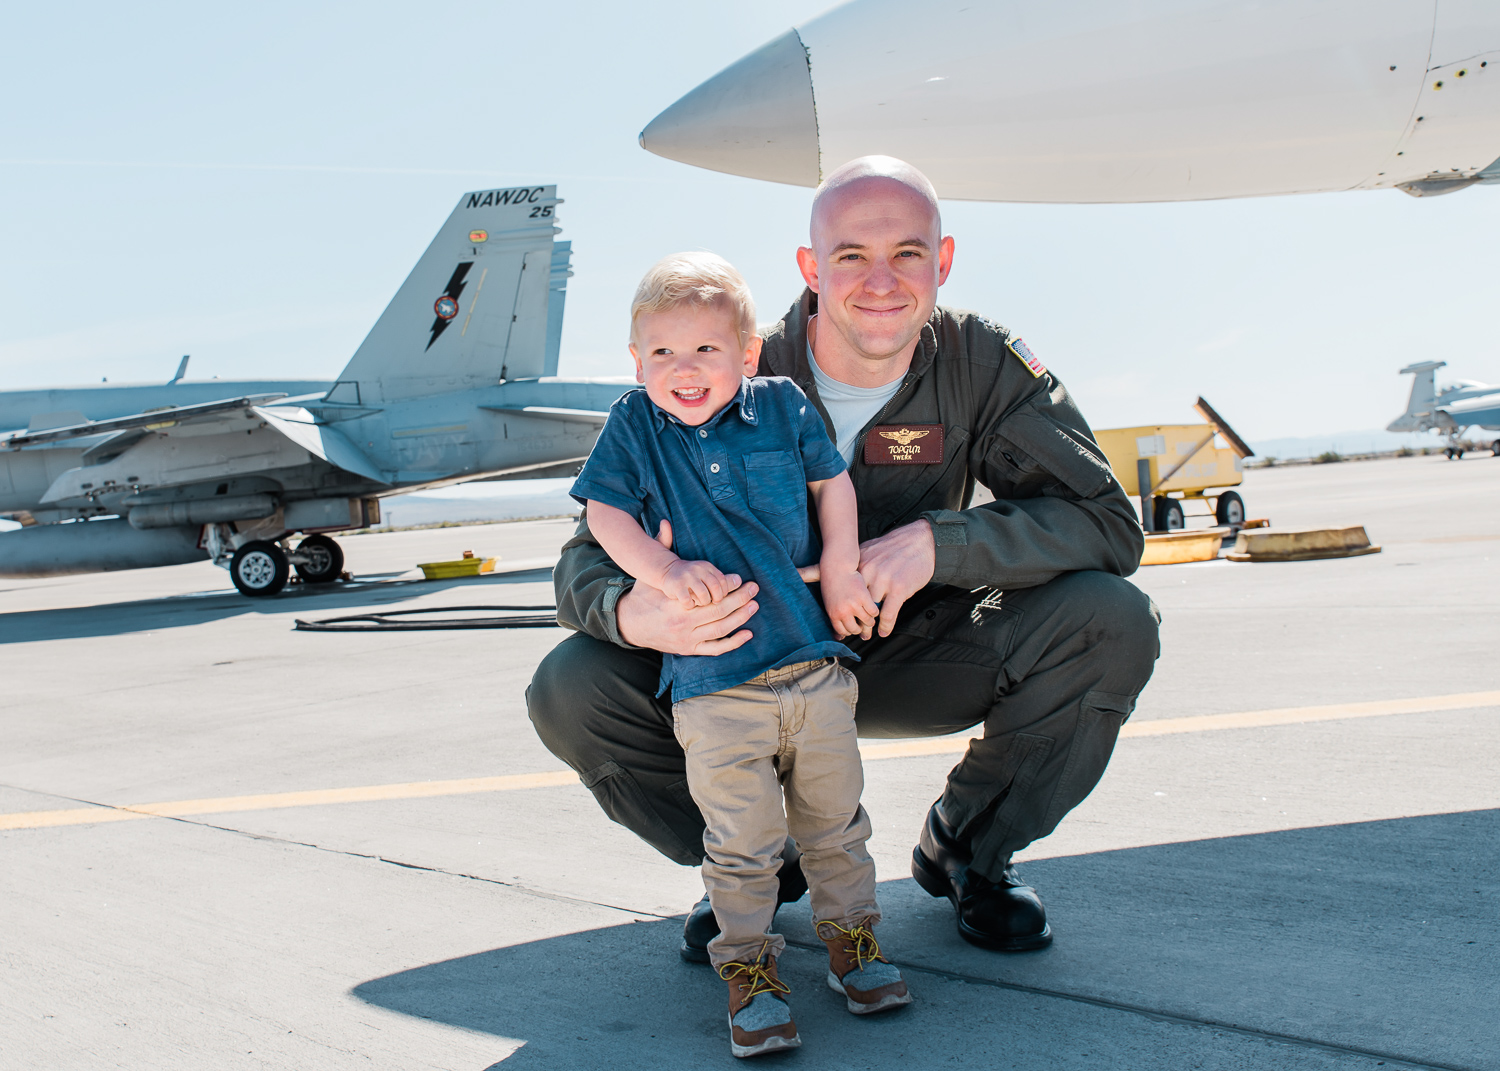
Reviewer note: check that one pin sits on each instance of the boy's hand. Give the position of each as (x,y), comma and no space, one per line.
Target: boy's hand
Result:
(695,583)
(848,602)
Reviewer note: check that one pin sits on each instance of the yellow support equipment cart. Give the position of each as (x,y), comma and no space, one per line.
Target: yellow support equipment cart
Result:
(1168,465)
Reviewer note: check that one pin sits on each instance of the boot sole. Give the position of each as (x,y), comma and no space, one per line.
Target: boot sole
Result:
(775,1043)
(885,1003)
(690,954)
(938,886)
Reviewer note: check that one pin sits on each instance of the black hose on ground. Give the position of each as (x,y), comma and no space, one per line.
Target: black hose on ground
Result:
(382,621)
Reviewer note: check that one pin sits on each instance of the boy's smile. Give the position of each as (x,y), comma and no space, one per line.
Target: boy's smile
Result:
(691,361)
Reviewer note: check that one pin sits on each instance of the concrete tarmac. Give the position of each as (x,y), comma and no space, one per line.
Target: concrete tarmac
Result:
(226,843)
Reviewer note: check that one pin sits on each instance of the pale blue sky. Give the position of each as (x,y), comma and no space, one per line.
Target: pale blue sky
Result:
(251,184)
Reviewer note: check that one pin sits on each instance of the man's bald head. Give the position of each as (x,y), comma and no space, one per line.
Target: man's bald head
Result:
(876,261)
(870,180)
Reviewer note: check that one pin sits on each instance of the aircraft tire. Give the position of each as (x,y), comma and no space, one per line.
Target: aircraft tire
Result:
(1168,515)
(327,563)
(259,568)
(1495,448)
(1230,509)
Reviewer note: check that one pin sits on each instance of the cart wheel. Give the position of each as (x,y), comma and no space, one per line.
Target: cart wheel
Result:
(1168,515)
(1230,509)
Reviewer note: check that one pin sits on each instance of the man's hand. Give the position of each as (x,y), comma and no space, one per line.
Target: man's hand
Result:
(895,566)
(647,617)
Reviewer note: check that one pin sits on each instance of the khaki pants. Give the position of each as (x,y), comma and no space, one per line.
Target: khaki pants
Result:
(789,730)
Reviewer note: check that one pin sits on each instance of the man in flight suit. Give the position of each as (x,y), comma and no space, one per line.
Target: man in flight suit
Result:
(1013,615)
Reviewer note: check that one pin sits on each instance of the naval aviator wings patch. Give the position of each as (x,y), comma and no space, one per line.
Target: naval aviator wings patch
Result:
(904,444)
(1034,366)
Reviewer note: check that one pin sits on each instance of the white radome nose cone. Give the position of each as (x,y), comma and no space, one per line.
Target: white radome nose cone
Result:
(754,118)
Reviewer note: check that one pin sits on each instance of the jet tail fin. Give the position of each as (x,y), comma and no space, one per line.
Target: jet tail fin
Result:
(1423,394)
(475,309)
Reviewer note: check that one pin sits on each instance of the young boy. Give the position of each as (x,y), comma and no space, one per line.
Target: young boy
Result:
(721,465)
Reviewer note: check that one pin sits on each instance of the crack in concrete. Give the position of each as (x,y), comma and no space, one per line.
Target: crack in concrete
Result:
(1156,1015)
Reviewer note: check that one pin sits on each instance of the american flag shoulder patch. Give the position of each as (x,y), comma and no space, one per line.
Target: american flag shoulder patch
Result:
(1034,366)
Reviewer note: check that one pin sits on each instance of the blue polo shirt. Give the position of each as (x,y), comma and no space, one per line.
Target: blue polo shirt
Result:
(735,490)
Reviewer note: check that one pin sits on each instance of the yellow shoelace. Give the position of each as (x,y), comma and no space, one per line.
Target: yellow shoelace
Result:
(757,974)
(865,949)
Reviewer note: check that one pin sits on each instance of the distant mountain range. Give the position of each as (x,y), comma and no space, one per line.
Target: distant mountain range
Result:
(1344,442)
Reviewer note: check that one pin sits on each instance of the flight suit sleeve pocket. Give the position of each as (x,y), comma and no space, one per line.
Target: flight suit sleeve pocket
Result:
(775,483)
(1065,455)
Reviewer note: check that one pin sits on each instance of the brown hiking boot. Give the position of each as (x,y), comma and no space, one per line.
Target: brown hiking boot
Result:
(869,982)
(760,1020)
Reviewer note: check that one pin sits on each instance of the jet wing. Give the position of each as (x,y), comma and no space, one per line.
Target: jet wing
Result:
(326,442)
(549,412)
(152,421)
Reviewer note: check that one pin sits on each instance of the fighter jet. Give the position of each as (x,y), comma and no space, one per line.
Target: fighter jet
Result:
(1453,410)
(455,382)
(50,407)
(1099,101)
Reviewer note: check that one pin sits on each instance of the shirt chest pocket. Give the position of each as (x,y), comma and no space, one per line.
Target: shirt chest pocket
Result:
(774,482)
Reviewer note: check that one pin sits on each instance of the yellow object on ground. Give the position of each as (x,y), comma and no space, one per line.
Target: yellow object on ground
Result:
(468,565)
(1172,548)
(1165,465)
(1300,544)
(1164,445)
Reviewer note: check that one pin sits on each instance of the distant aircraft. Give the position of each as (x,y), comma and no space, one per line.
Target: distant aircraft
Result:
(1453,410)
(1100,101)
(455,382)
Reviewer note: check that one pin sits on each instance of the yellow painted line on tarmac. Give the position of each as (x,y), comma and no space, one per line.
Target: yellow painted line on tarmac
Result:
(78,816)
(1255,719)
(1245,719)
(943,745)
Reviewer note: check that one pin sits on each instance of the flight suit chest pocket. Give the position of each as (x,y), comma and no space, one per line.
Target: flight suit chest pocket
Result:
(774,482)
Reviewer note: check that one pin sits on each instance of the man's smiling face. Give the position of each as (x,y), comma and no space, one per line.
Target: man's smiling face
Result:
(876,263)
(691,361)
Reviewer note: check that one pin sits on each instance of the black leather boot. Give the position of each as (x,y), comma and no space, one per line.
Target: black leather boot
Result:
(701,927)
(1004,915)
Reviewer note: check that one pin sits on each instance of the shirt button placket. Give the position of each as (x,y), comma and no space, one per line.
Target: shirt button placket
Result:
(717,463)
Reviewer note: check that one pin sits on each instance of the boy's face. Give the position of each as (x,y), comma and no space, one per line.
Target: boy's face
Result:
(691,360)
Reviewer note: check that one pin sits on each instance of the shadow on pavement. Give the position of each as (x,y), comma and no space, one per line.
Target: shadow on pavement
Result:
(1337,946)
(177,611)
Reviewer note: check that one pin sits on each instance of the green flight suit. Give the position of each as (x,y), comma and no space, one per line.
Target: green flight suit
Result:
(1028,626)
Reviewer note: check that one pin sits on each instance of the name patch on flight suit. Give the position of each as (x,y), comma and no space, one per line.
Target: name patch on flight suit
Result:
(904,444)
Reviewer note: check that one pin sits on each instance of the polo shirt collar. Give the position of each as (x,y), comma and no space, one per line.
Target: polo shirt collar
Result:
(744,405)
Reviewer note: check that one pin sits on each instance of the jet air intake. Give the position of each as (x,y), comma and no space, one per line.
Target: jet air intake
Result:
(198,511)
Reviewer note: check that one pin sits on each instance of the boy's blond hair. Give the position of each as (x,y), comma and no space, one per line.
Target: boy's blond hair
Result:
(700,279)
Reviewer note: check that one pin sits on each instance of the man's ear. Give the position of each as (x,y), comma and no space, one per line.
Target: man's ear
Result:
(807,264)
(752,355)
(640,373)
(945,259)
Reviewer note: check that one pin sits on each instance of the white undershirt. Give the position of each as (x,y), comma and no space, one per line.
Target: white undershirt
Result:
(850,407)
